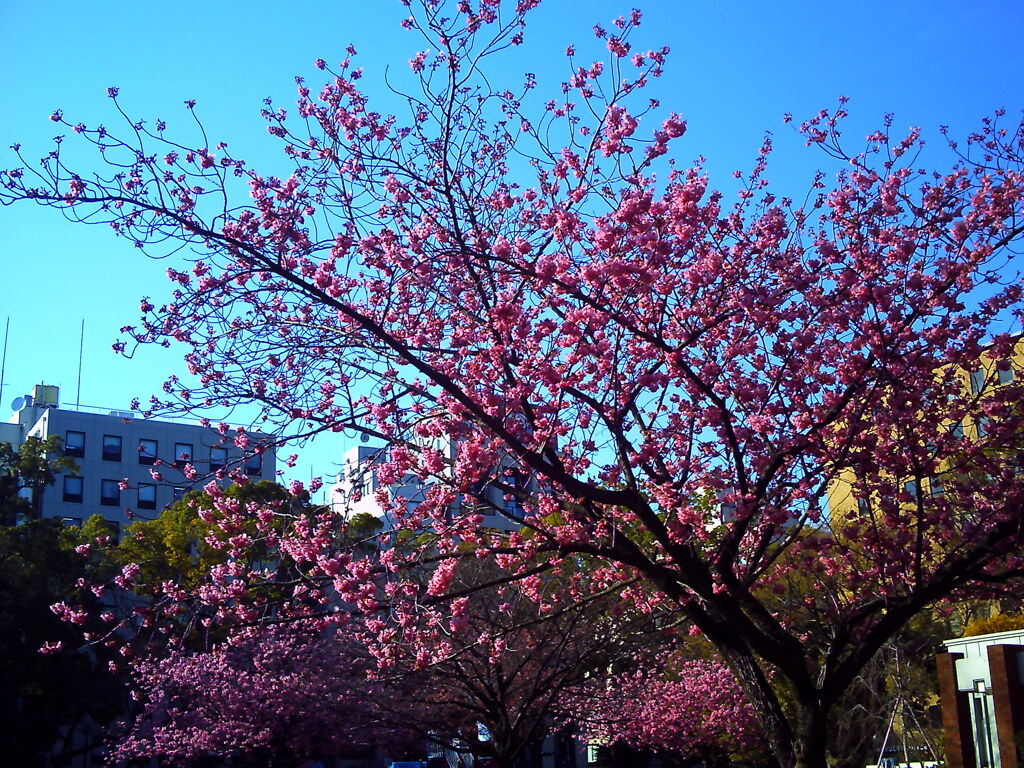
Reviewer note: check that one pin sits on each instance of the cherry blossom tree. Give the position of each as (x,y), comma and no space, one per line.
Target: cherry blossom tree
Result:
(279,694)
(498,660)
(686,712)
(660,381)
(511,668)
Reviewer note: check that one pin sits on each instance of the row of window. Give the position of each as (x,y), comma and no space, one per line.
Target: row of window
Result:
(110,492)
(932,487)
(149,451)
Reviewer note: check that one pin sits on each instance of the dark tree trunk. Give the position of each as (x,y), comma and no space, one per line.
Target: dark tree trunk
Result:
(811,743)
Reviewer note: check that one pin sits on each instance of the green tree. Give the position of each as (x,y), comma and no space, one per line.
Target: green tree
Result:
(45,695)
(34,465)
(176,546)
(362,532)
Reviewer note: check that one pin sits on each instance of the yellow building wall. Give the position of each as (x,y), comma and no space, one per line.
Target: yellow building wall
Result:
(989,373)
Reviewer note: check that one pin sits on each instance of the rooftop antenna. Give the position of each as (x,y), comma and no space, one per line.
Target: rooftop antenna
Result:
(81,345)
(3,363)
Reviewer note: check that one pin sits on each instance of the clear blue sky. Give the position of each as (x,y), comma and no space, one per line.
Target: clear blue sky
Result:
(735,68)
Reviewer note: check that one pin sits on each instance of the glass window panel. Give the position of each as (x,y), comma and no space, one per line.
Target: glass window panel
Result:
(73,485)
(110,493)
(182,454)
(218,458)
(147,496)
(111,447)
(74,443)
(148,450)
(977,381)
(254,464)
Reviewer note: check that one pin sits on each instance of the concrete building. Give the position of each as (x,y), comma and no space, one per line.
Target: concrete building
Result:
(117,454)
(357,486)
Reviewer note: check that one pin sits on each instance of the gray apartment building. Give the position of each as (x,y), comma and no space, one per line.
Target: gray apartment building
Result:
(128,466)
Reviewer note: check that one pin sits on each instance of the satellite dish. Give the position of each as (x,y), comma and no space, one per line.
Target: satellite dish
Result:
(18,404)
(364,438)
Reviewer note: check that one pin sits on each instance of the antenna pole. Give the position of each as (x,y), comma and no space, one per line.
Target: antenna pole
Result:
(81,345)
(3,364)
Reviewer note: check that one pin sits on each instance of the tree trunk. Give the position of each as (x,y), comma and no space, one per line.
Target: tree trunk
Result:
(811,742)
(797,741)
(766,704)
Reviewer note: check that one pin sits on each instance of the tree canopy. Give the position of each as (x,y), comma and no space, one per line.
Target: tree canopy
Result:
(32,467)
(48,699)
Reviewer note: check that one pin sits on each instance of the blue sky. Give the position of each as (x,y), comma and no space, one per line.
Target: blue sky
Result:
(735,68)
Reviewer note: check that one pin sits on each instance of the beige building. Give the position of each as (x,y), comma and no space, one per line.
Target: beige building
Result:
(988,376)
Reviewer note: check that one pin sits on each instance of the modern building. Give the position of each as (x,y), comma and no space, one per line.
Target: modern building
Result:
(128,467)
(358,484)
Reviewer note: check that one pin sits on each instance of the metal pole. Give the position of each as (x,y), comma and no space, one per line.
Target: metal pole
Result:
(81,346)
(888,731)
(3,364)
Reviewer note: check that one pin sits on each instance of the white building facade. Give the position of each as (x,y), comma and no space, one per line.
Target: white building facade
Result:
(981,683)
(357,487)
(128,467)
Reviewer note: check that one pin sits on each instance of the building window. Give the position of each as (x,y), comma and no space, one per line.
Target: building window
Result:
(73,489)
(111,447)
(218,458)
(982,426)
(110,493)
(148,450)
(72,521)
(74,443)
(361,479)
(182,454)
(511,501)
(1005,374)
(178,493)
(863,507)
(147,496)
(977,381)
(253,464)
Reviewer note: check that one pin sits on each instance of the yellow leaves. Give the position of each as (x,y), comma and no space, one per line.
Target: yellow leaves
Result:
(1000,622)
